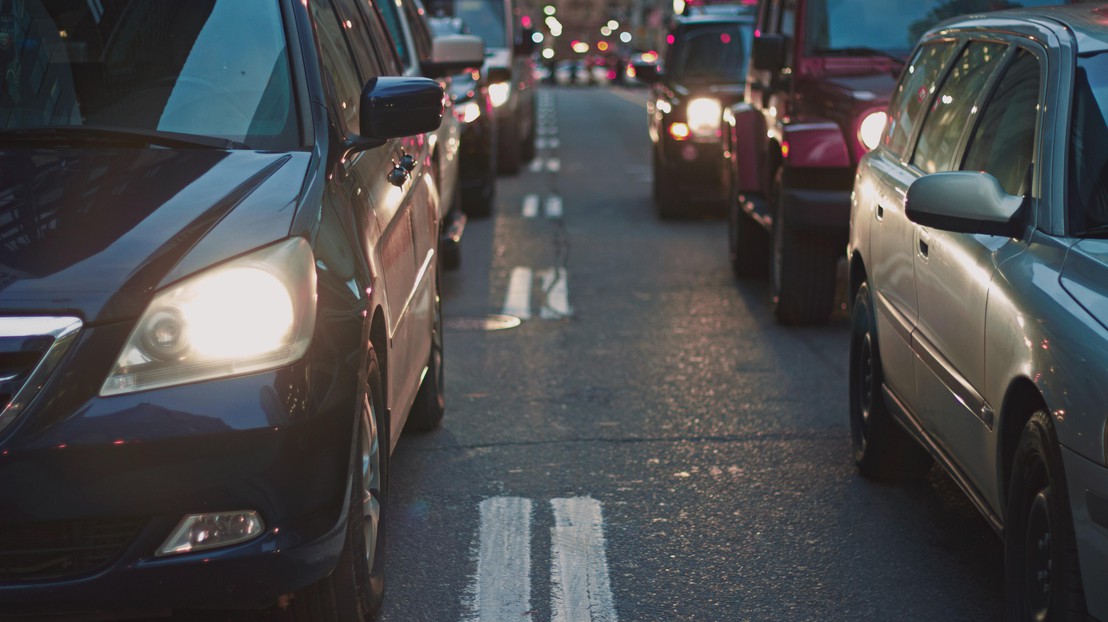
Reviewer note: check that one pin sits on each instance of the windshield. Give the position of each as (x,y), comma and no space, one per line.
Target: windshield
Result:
(715,53)
(1087,195)
(888,27)
(484,18)
(214,68)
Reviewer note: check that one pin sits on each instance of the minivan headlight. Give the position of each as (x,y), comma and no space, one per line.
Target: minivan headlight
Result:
(704,116)
(250,314)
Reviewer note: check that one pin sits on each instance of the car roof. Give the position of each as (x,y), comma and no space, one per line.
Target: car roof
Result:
(1087,22)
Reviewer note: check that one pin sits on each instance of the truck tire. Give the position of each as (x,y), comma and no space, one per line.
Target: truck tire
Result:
(802,270)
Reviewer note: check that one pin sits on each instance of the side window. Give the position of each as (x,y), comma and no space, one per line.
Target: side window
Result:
(953,108)
(360,42)
(420,33)
(913,92)
(1003,144)
(788,28)
(391,13)
(386,51)
(338,61)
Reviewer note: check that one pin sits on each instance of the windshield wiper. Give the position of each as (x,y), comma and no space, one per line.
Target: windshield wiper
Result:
(85,134)
(858,50)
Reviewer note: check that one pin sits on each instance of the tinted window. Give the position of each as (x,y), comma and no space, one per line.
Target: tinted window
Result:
(953,107)
(1087,192)
(1004,142)
(910,99)
(851,27)
(338,62)
(417,21)
(360,41)
(386,51)
(391,12)
(715,53)
(205,67)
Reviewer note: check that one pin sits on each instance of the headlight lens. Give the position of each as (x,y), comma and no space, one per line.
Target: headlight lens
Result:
(704,116)
(498,93)
(871,129)
(250,314)
(470,112)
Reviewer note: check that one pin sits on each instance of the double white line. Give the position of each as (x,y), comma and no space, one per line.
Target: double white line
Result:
(551,206)
(555,290)
(580,588)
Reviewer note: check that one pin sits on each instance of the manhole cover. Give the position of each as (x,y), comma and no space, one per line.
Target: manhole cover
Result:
(483,322)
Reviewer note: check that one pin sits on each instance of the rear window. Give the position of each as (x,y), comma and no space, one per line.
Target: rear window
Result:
(711,53)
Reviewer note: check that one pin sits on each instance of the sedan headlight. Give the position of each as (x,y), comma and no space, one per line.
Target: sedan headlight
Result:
(253,313)
(498,93)
(871,128)
(704,116)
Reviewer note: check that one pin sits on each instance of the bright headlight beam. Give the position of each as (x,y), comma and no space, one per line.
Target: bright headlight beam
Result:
(871,128)
(238,313)
(498,93)
(704,116)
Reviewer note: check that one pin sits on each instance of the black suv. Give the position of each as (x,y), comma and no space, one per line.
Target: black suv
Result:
(701,74)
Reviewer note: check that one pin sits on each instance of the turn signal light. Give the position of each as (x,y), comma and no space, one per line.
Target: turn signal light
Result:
(679,131)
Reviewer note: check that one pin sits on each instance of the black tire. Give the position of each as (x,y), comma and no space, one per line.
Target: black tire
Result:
(748,243)
(450,251)
(430,403)
(655,175)
(478,201)
(1042,577)
(353,592)
(527,149)
(509,152)
(881,449)
(666,197)
(802,271)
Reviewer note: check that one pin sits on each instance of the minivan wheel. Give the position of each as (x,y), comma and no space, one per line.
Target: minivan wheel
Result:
(430,402)
(802,270)
(355,589)
(1042,577)
(882,450)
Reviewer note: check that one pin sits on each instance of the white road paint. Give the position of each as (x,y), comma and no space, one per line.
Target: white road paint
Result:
(580,589)
(555,286)
(537,165)
(552,207)
(501,590)
(553,165)
(530,206)
(517,302)
(553,143)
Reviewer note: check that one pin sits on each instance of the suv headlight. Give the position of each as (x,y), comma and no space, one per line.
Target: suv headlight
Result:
(704,116)
(871,128)
(250,314)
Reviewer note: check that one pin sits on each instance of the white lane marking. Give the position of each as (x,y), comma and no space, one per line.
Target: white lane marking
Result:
(502,587)
(518,300)
(555,286)
(530,206)
(548,130)
(541,143)
(553,165)
(580,589)
(536,165)
(553,206)
(553,143)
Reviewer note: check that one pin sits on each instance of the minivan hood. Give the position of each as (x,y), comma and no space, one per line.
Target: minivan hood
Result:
(874,87)
(94,231)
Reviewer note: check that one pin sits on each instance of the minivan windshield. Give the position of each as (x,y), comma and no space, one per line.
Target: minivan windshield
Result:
(713,53)
(207,68)
(886,27)
(1087,187)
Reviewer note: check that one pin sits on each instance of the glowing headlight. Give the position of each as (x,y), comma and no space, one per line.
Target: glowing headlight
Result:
(704,117)
(471,111)
(498,93)
(871,128)
(250,314)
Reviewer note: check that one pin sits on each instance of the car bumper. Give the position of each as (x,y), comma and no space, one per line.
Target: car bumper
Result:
(696,169)
(1088,491)
(118,474)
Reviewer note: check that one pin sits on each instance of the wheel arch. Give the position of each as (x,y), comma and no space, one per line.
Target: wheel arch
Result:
(1022,400)
(379,341)
(856,275)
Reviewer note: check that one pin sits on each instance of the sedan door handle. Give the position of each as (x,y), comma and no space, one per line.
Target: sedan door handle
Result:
(880,212)
(923,247)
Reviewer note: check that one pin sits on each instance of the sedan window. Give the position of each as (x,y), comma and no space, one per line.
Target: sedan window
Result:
(1088,166)
(1004,143)
(914,91)
(954,106)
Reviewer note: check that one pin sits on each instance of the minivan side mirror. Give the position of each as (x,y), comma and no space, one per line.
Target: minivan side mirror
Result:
(768,52)
(451,54)
(964,202)
(392,107)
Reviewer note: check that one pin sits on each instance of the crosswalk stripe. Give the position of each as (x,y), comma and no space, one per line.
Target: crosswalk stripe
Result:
(537,165)
(553,165)
(580,587)
(555,285)
(502,587)
(553,206)
(530,206)
(517,302)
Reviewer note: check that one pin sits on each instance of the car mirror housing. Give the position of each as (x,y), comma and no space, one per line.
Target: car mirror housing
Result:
(964,202)
(768,52)
(451,54)
(392,107)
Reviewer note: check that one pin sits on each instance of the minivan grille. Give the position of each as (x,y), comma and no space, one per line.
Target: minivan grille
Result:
(30,349)
(62,549)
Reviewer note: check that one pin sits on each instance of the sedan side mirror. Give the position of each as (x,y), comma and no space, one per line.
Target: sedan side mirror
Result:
(768,52)
(392,107)
(451,54)
(964,202)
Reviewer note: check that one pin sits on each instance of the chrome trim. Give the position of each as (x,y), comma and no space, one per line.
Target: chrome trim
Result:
(64,330)
(952,380)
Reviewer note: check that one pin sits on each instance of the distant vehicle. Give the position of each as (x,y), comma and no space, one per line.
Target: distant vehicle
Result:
(821,73)
(469,92)
(978,256)
(509,68)
(701,74)
(219,308)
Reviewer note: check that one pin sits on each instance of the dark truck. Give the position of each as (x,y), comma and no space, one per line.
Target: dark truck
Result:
(821,74)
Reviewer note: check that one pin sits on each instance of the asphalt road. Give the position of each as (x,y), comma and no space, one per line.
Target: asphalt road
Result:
(648,444)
